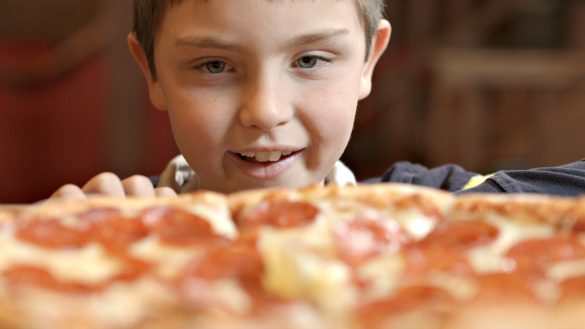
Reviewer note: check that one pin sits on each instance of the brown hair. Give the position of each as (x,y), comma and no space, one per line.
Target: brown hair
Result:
(148,16)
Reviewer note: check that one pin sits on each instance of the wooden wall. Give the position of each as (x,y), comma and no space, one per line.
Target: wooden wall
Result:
(484,84)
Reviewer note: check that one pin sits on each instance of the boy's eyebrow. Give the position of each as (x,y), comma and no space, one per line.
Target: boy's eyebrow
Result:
(210,42)
(203,42)
(323,35)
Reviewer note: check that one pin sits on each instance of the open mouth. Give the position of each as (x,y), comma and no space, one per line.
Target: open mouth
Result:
(265,165)
(266,157)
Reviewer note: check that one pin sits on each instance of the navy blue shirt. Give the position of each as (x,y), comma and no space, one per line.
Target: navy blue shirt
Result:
(564,180)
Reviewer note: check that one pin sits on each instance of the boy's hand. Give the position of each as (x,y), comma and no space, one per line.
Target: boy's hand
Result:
(108,184)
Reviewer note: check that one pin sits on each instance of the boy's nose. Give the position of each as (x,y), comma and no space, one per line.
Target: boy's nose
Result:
(264,106)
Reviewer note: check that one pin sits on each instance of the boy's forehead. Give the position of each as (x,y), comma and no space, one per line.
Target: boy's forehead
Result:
(320,6)
(283,23)
(251,3)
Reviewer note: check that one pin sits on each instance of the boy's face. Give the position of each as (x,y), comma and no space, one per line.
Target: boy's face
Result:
(261,93)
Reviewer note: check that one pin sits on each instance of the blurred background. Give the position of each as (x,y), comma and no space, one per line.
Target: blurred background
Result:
(487,84)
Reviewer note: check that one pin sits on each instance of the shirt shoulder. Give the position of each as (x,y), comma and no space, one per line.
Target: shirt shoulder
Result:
(449,177)
(563,180)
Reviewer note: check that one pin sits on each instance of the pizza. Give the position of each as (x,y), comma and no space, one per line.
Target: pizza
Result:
(359,257)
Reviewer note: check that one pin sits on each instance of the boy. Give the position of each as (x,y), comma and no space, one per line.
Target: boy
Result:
(263,93)
(259,93)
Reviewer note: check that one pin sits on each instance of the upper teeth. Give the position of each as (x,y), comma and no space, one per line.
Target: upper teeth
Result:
(266,156)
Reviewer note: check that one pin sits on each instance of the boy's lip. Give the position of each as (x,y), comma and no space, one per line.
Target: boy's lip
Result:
(268,169)
(267,149)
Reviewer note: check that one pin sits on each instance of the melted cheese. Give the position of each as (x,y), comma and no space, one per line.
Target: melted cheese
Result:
(381,285)
(413,221)
(564,270)
(86,265)
(153,251)
(416,224)
(300,263)
(457,286)
(218,217)
(490,258)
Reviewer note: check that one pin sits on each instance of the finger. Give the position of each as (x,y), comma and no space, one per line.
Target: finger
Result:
(138,186)
(165,192)
(68,192)
(105,184)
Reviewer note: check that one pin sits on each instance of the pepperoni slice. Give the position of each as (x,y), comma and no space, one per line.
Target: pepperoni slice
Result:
(26,275)
(578,226)
(536,255)
(433,300)
(278,213)
(248,239)
(179,227)
(463,234)
(30,275)
(51,234)
(132,270)
(573,288)
(421,260)
(116,232)
(236,261)
(514,285)
(365,237)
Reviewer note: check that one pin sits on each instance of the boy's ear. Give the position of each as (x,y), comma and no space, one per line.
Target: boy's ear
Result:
(154,90)
(377,48)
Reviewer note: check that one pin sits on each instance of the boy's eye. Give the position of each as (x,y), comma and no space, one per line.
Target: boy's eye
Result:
(213,67)
(307,62)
